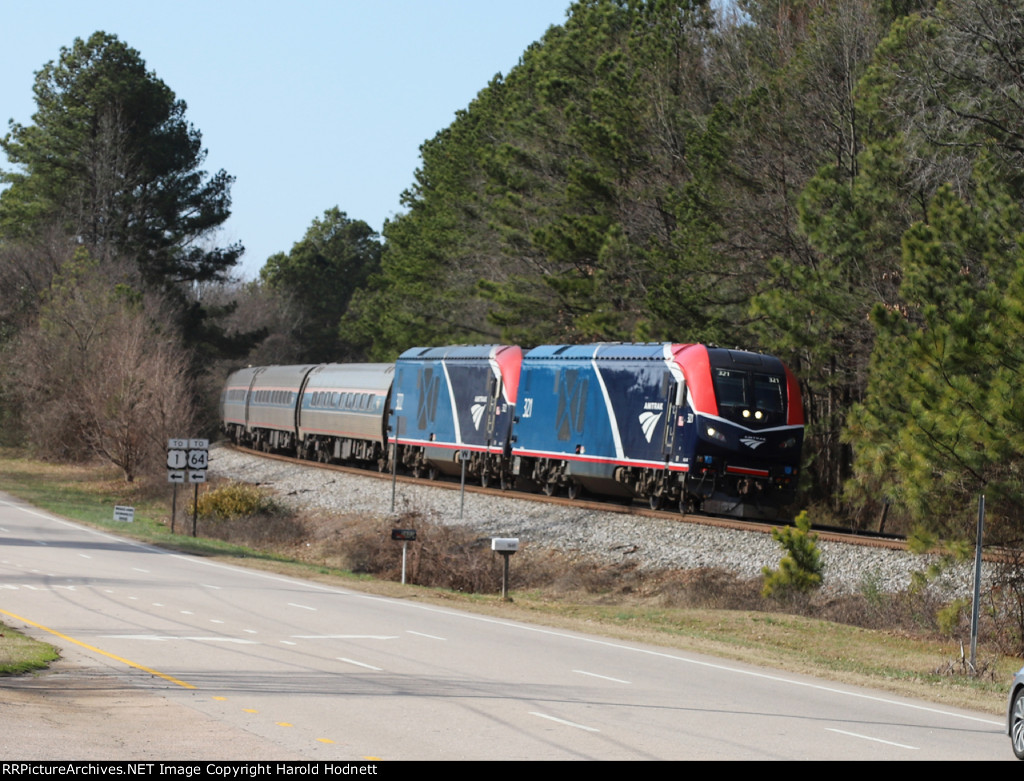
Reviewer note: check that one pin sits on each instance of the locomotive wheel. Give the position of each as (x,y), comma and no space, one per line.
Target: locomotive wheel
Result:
(687,506)
(657,501)
(505,482)
(549,489)
(485,478)
(574,490)
(432,473)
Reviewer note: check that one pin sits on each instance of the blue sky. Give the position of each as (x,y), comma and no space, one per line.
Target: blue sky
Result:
(309,104)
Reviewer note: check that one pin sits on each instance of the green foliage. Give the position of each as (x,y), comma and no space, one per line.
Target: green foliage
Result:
(949,617)
(800,569)
(320,274)
(235,501)
(112,160)
(940,423)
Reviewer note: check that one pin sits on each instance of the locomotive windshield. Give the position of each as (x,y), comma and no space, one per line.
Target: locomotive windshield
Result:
(753,399)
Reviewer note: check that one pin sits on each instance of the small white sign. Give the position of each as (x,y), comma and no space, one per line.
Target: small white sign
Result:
(199,444)
(176,476)
(198,476)
(177,444)
(124,514)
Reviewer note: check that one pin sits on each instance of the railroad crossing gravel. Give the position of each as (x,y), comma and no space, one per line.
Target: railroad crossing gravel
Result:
(610,537)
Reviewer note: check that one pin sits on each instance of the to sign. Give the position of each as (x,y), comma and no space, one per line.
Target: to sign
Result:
(187,458)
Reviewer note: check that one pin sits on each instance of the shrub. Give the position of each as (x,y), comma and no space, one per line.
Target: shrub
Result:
(234,501)
(800,568)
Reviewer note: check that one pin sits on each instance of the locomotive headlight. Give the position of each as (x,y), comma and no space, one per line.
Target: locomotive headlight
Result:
(715,434)
(746,413)
(759,414)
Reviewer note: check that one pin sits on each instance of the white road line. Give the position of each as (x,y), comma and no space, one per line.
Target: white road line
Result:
(360,664)
(602,677)
(421,634)
(344,637)
(876,740)
(563,721)
(161,638)
(304,607)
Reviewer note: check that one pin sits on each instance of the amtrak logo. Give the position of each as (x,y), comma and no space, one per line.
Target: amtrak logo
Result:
(752,442)
(648,422)
(477,411)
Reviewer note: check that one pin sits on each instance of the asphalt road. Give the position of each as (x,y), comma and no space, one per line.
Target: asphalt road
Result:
(177,657)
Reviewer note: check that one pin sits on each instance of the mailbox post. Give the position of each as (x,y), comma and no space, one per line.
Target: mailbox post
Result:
(506,546)
(406,536)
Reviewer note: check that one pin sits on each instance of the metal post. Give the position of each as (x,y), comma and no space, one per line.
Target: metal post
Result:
(504,576)
(174,505)
(405,545)
(462,490)
(977,581)
(195,507)
(394,473)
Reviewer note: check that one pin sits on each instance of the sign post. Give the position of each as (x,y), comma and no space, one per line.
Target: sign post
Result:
(177,457)
(187,457)
(198,459)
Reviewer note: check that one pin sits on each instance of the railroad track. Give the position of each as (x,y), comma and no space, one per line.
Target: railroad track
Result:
(829,534)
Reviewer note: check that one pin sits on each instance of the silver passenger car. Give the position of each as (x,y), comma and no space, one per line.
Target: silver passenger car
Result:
(343,411)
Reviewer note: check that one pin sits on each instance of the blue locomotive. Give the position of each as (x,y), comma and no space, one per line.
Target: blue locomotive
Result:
(702,428)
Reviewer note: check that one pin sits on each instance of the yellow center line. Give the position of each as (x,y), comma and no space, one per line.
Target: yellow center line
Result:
(93,648)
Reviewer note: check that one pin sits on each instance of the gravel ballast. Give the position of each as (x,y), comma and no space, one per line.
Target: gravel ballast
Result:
(611,537)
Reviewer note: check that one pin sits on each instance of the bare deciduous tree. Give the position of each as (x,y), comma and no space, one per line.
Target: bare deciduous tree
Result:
(98,376)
